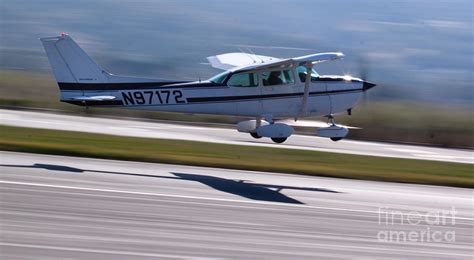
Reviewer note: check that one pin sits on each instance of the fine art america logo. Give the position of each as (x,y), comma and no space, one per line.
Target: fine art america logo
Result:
(416,226)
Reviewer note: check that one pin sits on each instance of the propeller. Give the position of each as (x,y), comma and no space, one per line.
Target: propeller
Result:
(364,75)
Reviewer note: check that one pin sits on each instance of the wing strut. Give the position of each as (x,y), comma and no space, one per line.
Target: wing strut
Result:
(309,70)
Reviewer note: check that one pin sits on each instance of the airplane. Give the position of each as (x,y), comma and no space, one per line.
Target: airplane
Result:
(256,86)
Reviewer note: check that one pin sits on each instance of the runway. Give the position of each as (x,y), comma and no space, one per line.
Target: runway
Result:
(58,207)
(227,136)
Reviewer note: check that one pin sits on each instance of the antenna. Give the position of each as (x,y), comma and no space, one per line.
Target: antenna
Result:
(250,56)
(256,56)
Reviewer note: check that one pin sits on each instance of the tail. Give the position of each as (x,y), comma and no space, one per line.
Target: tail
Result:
(79,77)
(70,63)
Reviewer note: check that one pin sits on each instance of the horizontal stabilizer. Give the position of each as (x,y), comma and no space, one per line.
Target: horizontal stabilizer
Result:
(94,98)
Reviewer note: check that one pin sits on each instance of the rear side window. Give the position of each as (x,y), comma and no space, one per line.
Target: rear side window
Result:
(243,80)
(277,77)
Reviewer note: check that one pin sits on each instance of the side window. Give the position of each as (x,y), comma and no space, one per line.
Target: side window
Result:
(278,77)
(288,77)
(243,80)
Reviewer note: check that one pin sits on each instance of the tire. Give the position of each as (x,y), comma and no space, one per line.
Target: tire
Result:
(278,140)
(335,139)
(255,135)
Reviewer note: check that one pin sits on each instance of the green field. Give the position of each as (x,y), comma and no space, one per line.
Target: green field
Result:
(236,157)
(399,121)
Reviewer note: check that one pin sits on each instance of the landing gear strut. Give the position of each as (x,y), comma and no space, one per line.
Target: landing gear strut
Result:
(331,119)
(333,123)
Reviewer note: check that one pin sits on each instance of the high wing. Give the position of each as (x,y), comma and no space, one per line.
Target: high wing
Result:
(232,60)
(239,61)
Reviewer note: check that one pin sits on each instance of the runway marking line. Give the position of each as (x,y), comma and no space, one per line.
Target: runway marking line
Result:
(105,251)
(197,197)
(90,250)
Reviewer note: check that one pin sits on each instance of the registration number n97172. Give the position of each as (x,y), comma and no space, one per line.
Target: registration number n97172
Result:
(153,97)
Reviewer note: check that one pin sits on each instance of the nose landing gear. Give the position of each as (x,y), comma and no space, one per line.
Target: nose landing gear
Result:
(333,131)
(333,123)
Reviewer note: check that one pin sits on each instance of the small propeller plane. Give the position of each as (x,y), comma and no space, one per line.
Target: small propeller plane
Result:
(261,87)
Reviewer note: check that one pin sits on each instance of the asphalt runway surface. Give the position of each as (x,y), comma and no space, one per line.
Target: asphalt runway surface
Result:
(228,136)
(55,207)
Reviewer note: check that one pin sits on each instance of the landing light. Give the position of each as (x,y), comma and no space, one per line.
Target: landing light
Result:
(347,77)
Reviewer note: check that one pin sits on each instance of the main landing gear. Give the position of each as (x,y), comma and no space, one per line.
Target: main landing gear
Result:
(277,140)
(266,127)
(255,135)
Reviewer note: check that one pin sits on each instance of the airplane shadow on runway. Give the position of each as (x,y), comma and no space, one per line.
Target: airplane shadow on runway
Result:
(250,190)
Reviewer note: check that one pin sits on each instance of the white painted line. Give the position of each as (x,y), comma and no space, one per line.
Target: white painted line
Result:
(90,250)
(200,198)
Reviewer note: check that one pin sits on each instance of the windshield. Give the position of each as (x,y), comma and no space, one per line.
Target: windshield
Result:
(219,78)
(301,70)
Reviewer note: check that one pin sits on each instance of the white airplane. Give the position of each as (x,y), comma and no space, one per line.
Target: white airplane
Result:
(262,87)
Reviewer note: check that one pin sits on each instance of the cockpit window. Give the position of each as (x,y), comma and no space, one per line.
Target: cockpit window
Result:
(243,80)
(301,70)
(219,78)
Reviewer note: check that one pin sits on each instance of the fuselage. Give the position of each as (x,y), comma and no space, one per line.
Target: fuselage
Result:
(327,95)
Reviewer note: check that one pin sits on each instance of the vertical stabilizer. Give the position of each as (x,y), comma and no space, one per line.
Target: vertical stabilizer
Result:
(70,63)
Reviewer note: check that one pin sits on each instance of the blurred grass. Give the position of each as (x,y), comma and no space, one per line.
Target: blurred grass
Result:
(398,121)
(236,157)
(413,122)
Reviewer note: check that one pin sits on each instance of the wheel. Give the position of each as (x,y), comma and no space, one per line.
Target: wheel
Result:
(255,135)
(335,139)
(278,140)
